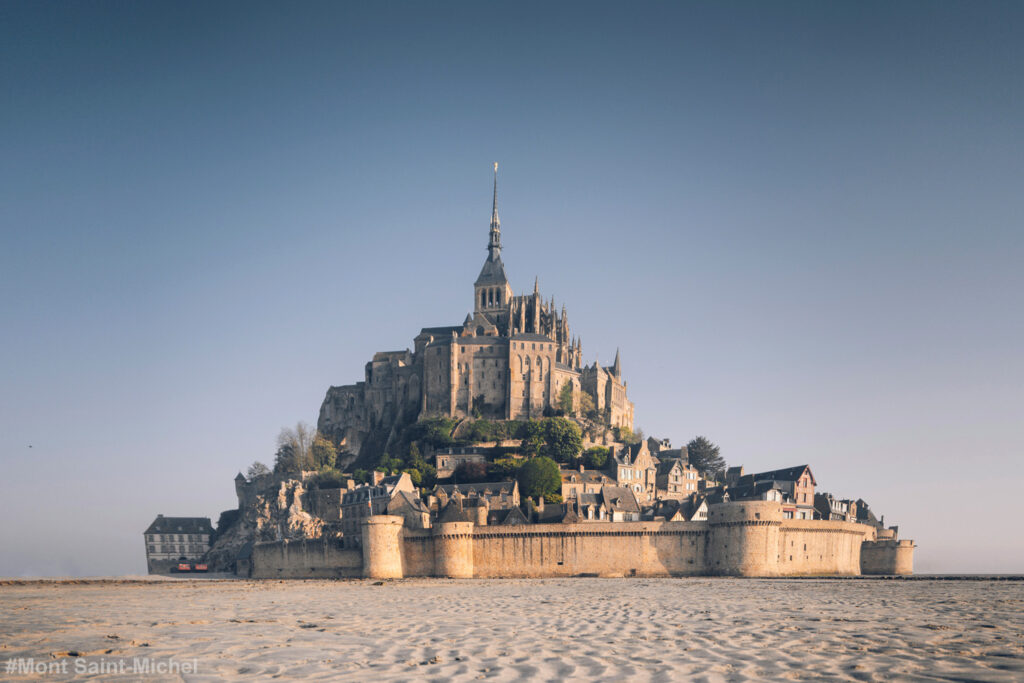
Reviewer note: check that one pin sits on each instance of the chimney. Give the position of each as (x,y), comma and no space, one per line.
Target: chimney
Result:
(350,484)
(378,477)
(540,503)
(581,465)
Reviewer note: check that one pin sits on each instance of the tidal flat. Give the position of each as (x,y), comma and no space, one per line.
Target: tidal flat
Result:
(698,629)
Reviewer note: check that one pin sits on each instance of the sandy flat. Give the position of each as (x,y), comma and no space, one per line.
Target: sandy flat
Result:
(501,630)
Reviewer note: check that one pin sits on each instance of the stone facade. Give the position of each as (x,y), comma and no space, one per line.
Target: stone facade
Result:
(509,360)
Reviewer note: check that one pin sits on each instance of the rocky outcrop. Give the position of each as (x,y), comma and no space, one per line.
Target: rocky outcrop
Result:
(272,508)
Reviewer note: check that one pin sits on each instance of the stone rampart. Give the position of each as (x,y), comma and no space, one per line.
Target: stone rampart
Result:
(738,539)
(887,557)
(312,558)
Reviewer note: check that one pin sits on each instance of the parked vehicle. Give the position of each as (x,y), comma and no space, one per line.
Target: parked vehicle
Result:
(201,568)
(184,567)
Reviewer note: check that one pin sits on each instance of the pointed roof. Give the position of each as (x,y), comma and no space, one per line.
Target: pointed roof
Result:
(493,272)
(616,366)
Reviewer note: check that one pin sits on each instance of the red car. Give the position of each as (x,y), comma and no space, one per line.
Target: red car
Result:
(184,567)
(201,568)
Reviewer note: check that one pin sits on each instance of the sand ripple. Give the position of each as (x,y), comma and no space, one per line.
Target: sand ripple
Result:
(503,630)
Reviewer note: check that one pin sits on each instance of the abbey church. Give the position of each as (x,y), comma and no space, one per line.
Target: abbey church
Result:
(509,360)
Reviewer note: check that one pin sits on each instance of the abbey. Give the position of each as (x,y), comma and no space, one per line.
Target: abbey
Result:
(510,359)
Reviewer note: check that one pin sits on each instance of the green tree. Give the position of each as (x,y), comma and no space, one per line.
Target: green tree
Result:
(595,458)
(532,435)
(415,475)
(565,399)
(562,439)
(361,476)
(256,470)
(705,456)
(502,469)
(323,452)
(429,473)
(539,477)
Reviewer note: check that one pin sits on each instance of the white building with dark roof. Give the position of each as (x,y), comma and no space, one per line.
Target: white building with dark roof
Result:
(173,540)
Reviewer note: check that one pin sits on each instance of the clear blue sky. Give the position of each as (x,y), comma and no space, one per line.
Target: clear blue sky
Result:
(801,223)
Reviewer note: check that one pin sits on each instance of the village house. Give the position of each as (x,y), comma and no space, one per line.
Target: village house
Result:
(797,486)
(500,495)
(447,460)
(620,504)
(581,480)
(360,502)
(692,508)
(829,507)
(172,540)
(675,478)
(636,468)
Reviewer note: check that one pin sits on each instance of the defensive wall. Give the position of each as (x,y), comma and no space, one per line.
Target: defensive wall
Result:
(738,539)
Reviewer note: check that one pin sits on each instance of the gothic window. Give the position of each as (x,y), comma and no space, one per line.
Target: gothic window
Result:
(483,298)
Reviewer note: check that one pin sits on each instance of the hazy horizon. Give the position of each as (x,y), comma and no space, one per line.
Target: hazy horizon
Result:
(800,223)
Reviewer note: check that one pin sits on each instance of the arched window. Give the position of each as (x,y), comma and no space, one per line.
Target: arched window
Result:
(540,364)
(483,298)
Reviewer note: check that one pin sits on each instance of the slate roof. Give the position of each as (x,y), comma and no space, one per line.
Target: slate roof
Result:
(585,477)
(493,273)
(180,525)
(530,336)
(620,498)
(487,488)
(508,517)
(751,491)
(441,331)
(414,501)
(786,474)
(665,466)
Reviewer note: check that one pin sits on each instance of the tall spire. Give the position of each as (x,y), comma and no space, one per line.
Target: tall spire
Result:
(616,366)
(494,245)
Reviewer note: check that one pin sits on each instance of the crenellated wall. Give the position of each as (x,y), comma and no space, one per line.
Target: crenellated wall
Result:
(738,539)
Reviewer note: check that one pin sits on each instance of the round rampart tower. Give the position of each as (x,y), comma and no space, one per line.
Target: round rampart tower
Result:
(743,538)
(382,547)
(453,550)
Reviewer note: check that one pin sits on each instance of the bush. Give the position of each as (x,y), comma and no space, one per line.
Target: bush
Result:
(596,457)
(330,479)
(436,431)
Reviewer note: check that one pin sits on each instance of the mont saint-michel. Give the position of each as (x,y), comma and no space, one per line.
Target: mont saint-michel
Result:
(492,449)
(510,359)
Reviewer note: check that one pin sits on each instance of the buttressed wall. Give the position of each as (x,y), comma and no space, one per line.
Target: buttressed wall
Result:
(738,539)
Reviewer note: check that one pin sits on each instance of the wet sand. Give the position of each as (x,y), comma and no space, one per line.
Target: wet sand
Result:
(502,630)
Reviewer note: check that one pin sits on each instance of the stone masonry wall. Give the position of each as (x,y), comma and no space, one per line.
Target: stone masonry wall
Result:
(313,558)
(739,539)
